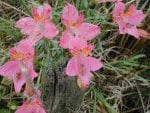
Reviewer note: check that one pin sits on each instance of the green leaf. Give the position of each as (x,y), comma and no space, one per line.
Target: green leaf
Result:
(101,98)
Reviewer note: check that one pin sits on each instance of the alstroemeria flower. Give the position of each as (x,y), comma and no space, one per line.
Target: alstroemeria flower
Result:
(81,65)
(22,53)
(128,20)
(77,32)
(40,25)
(31,107)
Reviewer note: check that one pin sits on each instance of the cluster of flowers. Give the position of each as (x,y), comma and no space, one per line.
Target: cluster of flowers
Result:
(20,67)
(128,19)
(74,38)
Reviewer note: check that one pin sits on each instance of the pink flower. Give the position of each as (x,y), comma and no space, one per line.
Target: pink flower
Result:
(101,1)
(77,32)
(81,65)
(128,20)
(23,53)
(40,25)
(31,107)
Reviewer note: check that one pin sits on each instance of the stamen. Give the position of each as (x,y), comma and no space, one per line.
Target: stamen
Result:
(70,23)
(16,55)
(129,13)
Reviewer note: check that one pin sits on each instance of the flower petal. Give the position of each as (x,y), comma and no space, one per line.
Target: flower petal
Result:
(26,24)
(143,33)
(31,70)
(35,38)
(45,11)
(69,14)
(118,11)
(19,80)
(10,68)
(24,108)
(67,40)
(49,30)
(133,31)
(83,69)
(136,17)
(88,31)
(122,27)
(85,78)
(25,46)
(95,64)
(72,69)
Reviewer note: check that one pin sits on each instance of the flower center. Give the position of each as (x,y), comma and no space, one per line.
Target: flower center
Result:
(84,51)
(16,55)
(129,13)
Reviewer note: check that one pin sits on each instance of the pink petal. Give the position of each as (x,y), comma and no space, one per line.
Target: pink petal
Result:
(35,14)
(77,43)
(80,20)
(10,68)
(24,108)
(49,30)
(35,38)
(25,46)
(133,31)
(95,64)
(83,69)
(19,81)
(85,78)
(122,27)
(143,33)
(67,40)
(31,70)
(45,10)
(130,29)
(26,24)
(72,68)
(69,14)
(136,18)
(118,11)
(88,31)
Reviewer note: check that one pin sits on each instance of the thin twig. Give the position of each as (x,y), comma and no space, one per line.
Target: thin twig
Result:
(3,3)
(140,95)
